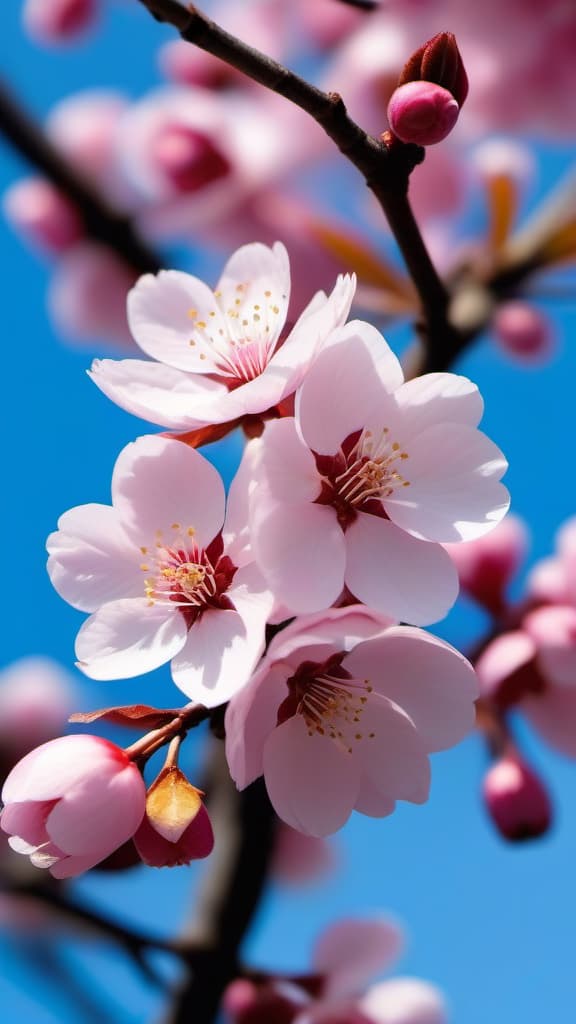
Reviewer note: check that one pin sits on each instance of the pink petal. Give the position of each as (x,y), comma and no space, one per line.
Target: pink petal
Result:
(553,629)
(162,488)
(387,569)
(454,493)
(300,549)
(311,782)
(217,658)
(27,821)
(250,272)
(163,314)
(155,392)
(391,751)
(128,638)
(236,530)
(286,464)
(426,677)
(353,950)
(338,628)
(437,398)
(404,1001)
(47,772)
(92,560)
(372,802)
(553,715)
(348,383)
(250,718)
(100,814)
(71,867)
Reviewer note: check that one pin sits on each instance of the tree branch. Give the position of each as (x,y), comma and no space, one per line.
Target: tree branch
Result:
(385,165)
(101,222)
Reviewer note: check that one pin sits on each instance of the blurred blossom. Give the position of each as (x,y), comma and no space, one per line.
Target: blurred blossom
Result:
(486,565)
(36,697)
(42,215)
(523,332)
(299,859)
(58,21)
(87,295)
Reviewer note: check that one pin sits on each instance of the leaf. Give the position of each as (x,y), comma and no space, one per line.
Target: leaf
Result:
(136,716)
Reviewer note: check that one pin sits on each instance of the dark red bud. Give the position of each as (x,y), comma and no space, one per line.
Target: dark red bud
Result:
(439,61)
(517,800)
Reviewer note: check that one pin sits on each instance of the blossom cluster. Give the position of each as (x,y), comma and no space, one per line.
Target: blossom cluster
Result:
(351,483)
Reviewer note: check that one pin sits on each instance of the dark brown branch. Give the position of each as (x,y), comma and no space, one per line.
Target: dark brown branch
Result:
(385,165)
(244,828)
(101,222)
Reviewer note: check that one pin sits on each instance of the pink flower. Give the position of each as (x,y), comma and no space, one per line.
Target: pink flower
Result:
(221,354)
(554,579)
(159,579)
(299,859)
(404,1001)
(486,565)
(71,802)
(422,113)
(176,828)
(359,489)
(341,715)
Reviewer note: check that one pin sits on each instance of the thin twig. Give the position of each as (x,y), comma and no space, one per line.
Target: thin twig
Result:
(101,222)
(385,165)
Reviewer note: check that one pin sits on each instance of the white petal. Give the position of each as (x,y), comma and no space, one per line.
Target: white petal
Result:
(438,398)
(127,638)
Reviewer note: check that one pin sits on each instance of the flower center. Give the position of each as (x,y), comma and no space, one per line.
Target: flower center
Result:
(362,474)
(180,572)
(330,701)
(243,350)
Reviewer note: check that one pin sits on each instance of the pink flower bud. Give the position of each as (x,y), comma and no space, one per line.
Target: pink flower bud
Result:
(422,113)
(272,1003)
(523,332)
(438,61)
(42,214)
(187,65)
(188,159)
(56,21)
(516,800)
(486,565)
(176,828)
(71,802)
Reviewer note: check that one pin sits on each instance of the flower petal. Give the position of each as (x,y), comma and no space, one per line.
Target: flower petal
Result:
(251,716)
(426,677)
(348,385)
(286,464)
(255,285)
(155,392)
(300,549)
(166,314)
(408,579)
(92,560)
(162,488)
(353,950)
(437,398)
(47,772)
(553,715)
(311,782)
(128,638)
(391,751)
(404,1001)
(217,658)
(454,492)
(99,815)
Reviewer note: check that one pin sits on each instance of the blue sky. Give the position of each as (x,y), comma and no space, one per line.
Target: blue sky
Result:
(493,925)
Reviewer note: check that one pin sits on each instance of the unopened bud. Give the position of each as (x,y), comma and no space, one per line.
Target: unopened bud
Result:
(507,669)
(176,828)
(523,332)
(188,159)
(42,214)
(517,800)
(438,61)
(56,21)
(422,113)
